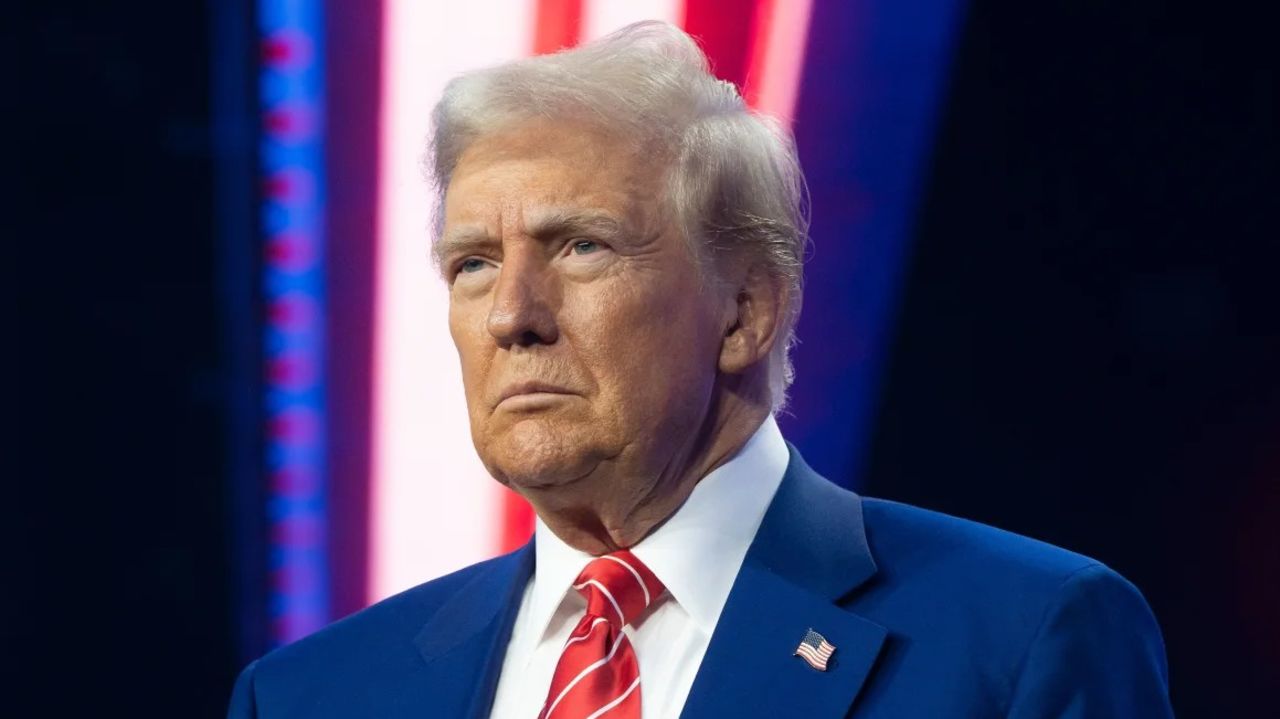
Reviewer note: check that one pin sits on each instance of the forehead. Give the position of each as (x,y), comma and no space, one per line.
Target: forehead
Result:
(505,174)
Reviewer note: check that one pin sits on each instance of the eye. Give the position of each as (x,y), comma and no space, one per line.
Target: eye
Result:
(585,247)
(471,264)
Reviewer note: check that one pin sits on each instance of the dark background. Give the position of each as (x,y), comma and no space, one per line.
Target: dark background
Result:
(1086,349)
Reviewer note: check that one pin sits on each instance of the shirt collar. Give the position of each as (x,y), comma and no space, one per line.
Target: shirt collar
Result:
(696,553)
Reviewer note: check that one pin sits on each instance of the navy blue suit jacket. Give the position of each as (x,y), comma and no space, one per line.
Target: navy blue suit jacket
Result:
(931,616)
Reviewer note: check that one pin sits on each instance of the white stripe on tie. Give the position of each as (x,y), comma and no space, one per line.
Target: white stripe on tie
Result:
(590,629)
(634,573)
(617,701)
(621,619)
(581,675)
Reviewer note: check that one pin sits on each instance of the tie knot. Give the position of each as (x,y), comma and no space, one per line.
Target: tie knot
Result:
(618,587)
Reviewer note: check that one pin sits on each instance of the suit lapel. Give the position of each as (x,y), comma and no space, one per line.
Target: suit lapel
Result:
(811,550)
(464,642)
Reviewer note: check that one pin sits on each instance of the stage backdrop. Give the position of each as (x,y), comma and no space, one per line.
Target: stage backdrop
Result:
(373,485)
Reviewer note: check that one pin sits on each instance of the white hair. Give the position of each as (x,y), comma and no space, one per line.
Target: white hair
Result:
(734,182)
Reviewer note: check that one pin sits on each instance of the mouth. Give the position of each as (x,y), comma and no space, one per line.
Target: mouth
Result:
(531,393)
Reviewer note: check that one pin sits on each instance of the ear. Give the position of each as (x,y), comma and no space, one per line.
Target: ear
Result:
(755,321)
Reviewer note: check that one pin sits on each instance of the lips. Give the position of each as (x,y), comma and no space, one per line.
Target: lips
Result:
(530,387)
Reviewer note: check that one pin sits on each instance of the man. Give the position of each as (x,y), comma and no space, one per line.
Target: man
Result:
(622,241)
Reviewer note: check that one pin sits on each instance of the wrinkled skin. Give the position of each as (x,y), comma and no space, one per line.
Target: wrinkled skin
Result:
(604,375)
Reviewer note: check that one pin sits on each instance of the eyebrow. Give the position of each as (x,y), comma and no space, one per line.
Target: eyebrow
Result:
(559,222)
(544,225)
(463,240)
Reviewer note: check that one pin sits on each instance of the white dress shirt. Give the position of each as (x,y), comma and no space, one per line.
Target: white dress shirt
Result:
(696,554)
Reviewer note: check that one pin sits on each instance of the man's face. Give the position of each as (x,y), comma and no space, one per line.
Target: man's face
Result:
(585,334)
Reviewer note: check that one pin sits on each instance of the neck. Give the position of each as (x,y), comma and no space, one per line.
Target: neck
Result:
(620,503)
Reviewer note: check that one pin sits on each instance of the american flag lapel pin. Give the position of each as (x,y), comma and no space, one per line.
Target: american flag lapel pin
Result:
(815,649)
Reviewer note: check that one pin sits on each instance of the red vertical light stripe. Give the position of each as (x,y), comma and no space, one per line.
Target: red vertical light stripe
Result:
(777,57)
(517,521)
(727,34)
(758,46)
(558,25)
(757,54)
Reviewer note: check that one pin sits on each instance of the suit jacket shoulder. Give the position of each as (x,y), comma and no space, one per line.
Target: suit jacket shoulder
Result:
(363,662)
(966,559)
(1004,623)
(392,618)
(933,616)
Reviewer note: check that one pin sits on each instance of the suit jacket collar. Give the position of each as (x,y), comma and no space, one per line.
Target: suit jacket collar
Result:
(810,551)
(465,641)
(813,534)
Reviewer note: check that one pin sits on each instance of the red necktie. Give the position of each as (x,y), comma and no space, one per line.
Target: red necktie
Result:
(597,675)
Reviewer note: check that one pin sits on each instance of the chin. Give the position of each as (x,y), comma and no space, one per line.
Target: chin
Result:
(535,453)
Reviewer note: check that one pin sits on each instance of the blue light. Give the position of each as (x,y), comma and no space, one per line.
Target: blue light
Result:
(291,159)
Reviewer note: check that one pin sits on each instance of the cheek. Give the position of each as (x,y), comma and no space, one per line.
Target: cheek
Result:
(466,327)
(644,346)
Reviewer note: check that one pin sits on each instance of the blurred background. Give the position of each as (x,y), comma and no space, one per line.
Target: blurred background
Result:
(1042,294)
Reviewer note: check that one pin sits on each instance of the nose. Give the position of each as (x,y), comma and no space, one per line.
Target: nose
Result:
(522,313)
